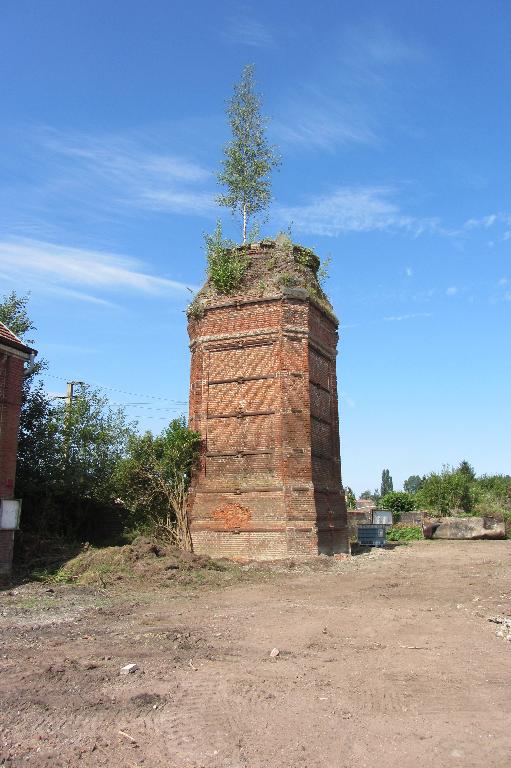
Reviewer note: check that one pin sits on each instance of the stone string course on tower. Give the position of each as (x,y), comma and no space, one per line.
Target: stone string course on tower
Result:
(263,395)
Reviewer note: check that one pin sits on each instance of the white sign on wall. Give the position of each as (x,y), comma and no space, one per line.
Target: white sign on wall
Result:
(10,510)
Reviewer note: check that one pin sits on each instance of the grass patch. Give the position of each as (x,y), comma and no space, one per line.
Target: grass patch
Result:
(36,603)
(47,576)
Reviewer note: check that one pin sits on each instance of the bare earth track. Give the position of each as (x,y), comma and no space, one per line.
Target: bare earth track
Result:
(385,660)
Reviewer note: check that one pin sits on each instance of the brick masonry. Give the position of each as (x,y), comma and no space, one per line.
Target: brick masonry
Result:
(13,356)
(263,395)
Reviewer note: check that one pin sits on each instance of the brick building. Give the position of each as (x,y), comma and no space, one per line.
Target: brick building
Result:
(13,356)
(263,395)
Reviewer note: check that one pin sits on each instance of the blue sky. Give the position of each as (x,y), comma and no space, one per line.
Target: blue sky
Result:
(393,121)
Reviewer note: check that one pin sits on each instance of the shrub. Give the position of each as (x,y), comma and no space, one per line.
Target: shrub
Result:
(153,480)
(448,491)
(307,258)
(397,502)
(402,532)
(226,264)
(196,310)
(287,280)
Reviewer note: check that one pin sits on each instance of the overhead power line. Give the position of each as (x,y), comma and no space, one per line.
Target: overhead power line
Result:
(123,391)
(153,408)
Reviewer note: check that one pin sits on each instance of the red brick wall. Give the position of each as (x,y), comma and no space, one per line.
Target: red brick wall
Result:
(6,548)
(11,380)
(263,396)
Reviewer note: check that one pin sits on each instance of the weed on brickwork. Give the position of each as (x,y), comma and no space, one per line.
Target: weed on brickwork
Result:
(226,264)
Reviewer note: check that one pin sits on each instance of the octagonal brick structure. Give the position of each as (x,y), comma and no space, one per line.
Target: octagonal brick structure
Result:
(263,395)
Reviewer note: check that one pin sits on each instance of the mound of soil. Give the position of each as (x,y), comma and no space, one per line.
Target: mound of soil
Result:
(144,559)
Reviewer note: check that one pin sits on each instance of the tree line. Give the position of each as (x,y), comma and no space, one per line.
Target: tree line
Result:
(453,490)
(82,464)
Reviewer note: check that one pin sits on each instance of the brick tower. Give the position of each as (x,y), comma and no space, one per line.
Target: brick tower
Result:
(263,395)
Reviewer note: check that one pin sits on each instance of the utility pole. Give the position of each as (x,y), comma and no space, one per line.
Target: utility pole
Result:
(69,397)
(70,391)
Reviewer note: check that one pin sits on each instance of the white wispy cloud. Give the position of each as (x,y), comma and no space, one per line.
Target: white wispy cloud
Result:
(408,271)
(66,270)
(490,220)
(360,209)
(244,29)
(119,158)
(373,48)
(323,124)
(112,173)
(346,98)
(177,202)
(452,290)
(320,130)
(399,318)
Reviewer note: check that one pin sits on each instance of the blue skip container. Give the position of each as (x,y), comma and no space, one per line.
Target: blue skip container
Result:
(371,535)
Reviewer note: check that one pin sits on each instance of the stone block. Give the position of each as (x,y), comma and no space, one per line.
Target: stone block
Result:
(464,528)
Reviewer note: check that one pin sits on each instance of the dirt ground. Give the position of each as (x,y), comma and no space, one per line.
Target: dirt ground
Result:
(387,659)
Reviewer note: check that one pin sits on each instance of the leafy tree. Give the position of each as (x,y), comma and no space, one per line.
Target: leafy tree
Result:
(413,484)
(494,497)
(398,502)
(66,463)
(498,485)
(37,470)
(13,314)
(447,491)
(249,158)
(153,479)
(66,454)
(387,486)
(367,495)
(91,439)
(350,498)
(467,469)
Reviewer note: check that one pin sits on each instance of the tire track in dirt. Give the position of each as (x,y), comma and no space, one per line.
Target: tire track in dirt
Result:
(198,724)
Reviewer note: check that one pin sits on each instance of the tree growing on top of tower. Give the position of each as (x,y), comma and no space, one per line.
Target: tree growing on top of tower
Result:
(249,158)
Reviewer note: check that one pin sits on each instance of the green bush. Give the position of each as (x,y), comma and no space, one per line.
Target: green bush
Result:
(403,532)
(226,264)
(447,491)
(307,258)
(398,502)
